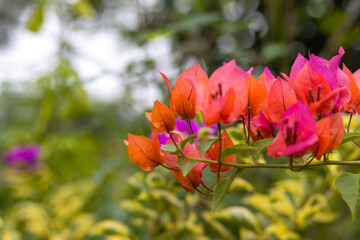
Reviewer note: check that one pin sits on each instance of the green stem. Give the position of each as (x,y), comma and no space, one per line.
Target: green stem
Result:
(286,166)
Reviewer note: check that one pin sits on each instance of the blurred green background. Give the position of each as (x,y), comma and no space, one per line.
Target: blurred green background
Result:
(56,59)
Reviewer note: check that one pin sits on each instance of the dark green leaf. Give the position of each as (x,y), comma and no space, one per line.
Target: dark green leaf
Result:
(185,166)
(205,145)
(171,147)
(186,140)
(236,149)
(221,189)
(349,187)
(261,145)
(349,137)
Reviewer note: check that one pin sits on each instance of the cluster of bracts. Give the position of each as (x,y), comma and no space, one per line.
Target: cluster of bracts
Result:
(302,112)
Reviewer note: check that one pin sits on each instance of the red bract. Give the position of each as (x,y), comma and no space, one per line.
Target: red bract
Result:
(144,152)
(353,105)
(297,134)
(214,153)
(162,118)
(330,133)
(182,100)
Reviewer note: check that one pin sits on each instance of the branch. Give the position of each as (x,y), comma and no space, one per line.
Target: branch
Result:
(286,166)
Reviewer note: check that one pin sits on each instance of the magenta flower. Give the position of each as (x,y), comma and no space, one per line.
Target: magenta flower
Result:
(183,128)
(297,134)
(330,71)
(23,155)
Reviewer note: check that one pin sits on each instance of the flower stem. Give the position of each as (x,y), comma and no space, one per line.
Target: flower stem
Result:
(348,127)
(170,168)
(207,188)
(219,160)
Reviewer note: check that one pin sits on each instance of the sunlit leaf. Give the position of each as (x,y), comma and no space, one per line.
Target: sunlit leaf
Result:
(349,187)
(37,17)
(84,9)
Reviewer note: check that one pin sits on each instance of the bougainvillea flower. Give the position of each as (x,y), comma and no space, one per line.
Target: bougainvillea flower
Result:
(181,127)
(297,134)
(23,155)
(266,79)
(193,179)
(216,97)
(332,74)
(327,68)
(353,105)
(182,100)
(330,133)
(281,97)
(213,153)
(144,152)
(311,87)
(262,127)
(256,97)
(162,118)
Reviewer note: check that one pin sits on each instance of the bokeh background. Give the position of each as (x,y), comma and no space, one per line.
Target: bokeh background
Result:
(77,75)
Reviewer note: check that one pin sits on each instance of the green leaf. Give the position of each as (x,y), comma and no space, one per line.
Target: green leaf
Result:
(349,187)
(185,166)
(171,147)
(221,189)
(261,145)
(186,140)
(205,145)
(349,137)
(84,9)
(236,149)
(37,17)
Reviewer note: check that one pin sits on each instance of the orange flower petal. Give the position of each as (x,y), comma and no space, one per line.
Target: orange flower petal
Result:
(144,152)
(330,133)
(162,118)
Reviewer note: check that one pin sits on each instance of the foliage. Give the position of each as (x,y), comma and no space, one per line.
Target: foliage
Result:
(85,187)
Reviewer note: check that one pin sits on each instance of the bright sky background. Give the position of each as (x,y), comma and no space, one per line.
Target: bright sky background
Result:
(99,54)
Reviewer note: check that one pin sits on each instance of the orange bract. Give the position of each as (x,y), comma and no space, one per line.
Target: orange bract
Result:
(214,153)
(190,182)
(162,118)
(144,152)
(330,133)
(182,100)
(256,97)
